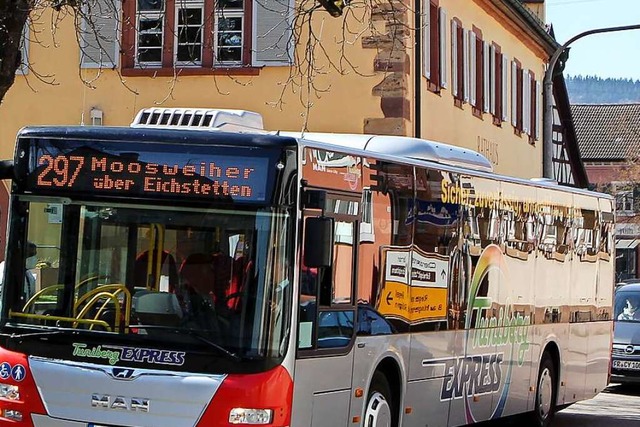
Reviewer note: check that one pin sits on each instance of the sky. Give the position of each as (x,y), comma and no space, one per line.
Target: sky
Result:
(615,54)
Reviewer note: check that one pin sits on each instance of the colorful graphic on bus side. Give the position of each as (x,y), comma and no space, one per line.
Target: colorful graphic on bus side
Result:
(507,332)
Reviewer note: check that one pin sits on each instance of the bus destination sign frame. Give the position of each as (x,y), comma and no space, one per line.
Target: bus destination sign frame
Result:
(138,170)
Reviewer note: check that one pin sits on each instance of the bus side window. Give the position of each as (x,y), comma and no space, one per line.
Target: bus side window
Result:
(326,295)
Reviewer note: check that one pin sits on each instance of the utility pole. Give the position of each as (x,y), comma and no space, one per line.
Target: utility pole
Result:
(547,93)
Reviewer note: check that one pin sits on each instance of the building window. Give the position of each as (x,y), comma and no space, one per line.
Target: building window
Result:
(434,52)
(517,98)
(498,85)
(189,34)
(229,29)
(458,81)
(196,34)
(150,29)
(624,202)
(476,71)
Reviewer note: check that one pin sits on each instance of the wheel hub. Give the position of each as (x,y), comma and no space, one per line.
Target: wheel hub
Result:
(545,394)
(378,413)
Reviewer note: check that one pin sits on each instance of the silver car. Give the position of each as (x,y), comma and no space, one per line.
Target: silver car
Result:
(625,361)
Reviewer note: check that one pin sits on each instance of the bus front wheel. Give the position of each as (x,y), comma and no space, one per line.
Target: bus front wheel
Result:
(545,405)
(378,412)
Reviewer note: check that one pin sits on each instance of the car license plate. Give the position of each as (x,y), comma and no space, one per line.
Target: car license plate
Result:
(627,364)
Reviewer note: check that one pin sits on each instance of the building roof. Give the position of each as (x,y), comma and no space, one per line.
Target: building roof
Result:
(607,132)
(529,22)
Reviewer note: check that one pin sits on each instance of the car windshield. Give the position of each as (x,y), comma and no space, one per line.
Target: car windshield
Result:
(160,272)
(627,306)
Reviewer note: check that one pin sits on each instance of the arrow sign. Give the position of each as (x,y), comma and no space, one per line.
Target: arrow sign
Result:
(443,274)
(389,298)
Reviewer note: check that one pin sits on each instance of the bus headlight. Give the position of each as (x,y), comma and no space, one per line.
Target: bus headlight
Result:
(8,391)
(12,414)
(250,416)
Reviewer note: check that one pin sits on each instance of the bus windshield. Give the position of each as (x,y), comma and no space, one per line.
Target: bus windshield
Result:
(179,276)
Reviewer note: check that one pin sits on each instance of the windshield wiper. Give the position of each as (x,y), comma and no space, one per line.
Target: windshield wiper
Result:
(195,334)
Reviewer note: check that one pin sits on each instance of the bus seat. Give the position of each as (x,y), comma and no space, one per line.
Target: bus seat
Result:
(157,308)
(222,266)
(197,273)
(239,276)
(167,268)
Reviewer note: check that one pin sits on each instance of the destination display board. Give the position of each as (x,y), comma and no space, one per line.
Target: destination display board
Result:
(135,169)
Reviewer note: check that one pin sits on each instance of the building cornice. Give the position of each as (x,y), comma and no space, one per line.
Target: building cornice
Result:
(527,22)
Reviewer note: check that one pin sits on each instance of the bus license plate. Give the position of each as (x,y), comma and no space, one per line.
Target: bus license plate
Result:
(626,364)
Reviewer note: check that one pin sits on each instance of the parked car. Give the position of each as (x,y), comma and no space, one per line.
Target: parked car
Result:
(625,360)
(628,281)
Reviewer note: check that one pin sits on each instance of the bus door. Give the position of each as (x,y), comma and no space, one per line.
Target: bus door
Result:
(326,318)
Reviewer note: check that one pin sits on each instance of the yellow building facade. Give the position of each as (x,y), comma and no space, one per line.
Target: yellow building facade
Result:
(463,72)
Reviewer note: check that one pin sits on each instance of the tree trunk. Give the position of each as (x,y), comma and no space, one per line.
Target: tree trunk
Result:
(13,16)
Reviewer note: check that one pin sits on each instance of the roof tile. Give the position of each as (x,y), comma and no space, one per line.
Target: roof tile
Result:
(607,131)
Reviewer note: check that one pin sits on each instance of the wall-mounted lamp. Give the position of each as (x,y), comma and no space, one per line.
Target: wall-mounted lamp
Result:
(96,117)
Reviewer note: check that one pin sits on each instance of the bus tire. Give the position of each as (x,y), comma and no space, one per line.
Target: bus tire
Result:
(546,390)
(379,409)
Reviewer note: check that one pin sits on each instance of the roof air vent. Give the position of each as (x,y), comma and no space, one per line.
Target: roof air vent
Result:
(201,119)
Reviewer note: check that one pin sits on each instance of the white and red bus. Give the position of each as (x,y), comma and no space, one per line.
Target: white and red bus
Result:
(190,276)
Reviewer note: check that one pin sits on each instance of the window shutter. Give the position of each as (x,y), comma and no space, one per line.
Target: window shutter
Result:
(526,101)
(426,39)
(272,32)
(100,33)
(443,47)
(514,93)
(465,64)
(505,86)
(473,84)
(454,58)
(492,72)
(538,106)
(486,77)
(23,69)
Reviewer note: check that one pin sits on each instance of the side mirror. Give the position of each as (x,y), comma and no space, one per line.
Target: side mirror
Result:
(318,242)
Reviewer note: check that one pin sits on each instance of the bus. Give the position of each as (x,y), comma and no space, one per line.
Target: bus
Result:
(193,269)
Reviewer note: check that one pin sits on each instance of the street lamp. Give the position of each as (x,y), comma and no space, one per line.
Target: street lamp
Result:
(547,92)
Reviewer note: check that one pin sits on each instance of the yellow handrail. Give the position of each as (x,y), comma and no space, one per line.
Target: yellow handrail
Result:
(60,318)
(101,292)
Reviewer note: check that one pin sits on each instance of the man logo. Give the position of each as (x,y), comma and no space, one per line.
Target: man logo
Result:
(120,403)
(122,373)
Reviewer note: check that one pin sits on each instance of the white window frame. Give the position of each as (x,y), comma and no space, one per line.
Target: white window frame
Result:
(228,13)
(155,14)
(188,4)
(624,202)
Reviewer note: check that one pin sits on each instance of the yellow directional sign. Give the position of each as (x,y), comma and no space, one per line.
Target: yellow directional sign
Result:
(415,294)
